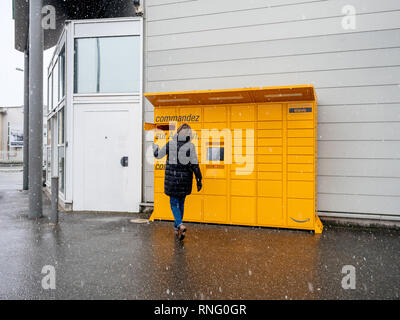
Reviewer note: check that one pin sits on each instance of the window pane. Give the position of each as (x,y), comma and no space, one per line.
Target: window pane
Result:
(85,73)
(61,127)
(119,64)
(48,175)
(61,164)
(49,133)
(62,73)
(55,85)
(50,93)
(107,65)
(54,144)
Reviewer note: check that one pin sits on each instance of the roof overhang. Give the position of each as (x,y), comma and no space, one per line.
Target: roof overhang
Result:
(67,10)
(233,96)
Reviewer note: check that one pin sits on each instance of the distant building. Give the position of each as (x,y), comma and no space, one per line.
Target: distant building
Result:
(12,133)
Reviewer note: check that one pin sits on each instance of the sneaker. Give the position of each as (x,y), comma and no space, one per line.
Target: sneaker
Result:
(181,232)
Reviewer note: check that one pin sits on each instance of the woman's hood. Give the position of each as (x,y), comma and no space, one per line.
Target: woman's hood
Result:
(184,139)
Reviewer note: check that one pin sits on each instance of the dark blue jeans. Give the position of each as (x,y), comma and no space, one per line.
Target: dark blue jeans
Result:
(177,207)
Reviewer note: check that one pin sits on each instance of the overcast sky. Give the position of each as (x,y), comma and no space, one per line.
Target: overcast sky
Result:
(11,80)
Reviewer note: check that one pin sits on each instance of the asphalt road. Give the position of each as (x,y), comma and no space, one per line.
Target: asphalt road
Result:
(106,256)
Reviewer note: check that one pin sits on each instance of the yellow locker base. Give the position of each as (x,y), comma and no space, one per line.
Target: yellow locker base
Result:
(256,150)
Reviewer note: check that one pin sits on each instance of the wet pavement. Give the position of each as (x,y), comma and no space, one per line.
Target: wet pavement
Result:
(106,256)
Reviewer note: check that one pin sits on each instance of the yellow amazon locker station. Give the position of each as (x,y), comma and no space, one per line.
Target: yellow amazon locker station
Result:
(256,150)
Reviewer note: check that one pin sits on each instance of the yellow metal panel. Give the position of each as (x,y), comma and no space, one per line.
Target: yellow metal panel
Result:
(269,175)
(304,142)
(214,172)
(231,96)
(269,150)
(244,149)
(269,212)
(269,133)
(300,189)
(159,184)
(244,174)
(243,187)
(269,188)
(162,207)
(243,210)
(193,208)
(300,167)
(165,115)
(300,124)
(159,168)
(243,126)
(300,133)
(215,209)
(268,112)
(214,186)
(190,115)
(212,113)
(269,167)
(269,142)
(269,159)
(268,125)
(300,150)
(302,176)
(244,142)
(242,113)
(300,159)
(160,138)
(301,213)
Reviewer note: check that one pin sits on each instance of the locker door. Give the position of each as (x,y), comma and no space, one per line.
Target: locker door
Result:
(270,156)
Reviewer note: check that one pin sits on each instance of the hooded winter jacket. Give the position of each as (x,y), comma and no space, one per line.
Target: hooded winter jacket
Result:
(181,163)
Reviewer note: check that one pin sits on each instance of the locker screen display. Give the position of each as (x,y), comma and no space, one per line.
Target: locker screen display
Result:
(215,154)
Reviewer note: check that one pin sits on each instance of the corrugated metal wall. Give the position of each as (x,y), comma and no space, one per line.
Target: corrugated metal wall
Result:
(209,44)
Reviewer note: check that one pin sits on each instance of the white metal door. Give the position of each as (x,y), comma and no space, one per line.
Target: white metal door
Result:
(102,182)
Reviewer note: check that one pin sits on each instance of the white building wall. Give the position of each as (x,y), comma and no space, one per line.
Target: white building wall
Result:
(13,116)
(208,44)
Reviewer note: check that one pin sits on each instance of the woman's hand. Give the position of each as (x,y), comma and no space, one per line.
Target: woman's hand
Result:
(199,186)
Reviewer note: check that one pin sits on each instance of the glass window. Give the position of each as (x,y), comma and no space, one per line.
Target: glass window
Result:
(61,122)
(61,171)
(48,164)
(61,149)
(50,93)
(62,73)
(55,85)
(49,133)
(107,65)
(48,155)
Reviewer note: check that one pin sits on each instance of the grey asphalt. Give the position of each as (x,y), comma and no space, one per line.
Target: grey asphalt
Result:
(106,256)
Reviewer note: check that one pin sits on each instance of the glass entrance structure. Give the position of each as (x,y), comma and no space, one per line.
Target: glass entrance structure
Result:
(95,114)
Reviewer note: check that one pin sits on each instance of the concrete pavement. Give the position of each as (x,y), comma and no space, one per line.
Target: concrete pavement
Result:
(105,256)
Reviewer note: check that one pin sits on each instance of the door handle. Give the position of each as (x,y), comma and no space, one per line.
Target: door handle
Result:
(124,161)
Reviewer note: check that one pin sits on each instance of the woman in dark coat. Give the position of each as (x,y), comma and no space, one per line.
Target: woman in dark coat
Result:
(181,163)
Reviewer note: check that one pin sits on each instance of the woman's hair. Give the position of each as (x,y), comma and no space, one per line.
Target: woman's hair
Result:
(186,130)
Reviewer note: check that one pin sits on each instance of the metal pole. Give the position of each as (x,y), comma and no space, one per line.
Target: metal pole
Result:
(54,200)
(35,108)
(25,183)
